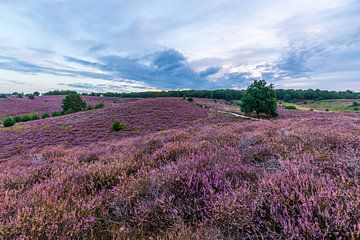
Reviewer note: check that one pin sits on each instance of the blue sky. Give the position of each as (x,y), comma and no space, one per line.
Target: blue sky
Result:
(116,45)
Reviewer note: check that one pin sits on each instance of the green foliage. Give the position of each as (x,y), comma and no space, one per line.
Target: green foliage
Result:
(30,96)
(356,104)
(34,117)
(259,98)
(45,115)
(99,105)
(327,110)
(60,92)
(228,96)
(73,103)
(290,108)
(18,119)
(117,126)
(26,118)
(190,99)
(56,114)
(36,93)
(90,107)
(8,122)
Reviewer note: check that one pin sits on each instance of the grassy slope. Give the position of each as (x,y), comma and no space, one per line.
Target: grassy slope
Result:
(332,105)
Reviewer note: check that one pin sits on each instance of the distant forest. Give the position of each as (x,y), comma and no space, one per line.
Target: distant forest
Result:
(288,95)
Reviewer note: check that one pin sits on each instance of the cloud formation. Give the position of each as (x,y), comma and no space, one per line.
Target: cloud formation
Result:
(199,44)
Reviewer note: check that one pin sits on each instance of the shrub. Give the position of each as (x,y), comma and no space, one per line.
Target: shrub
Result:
(36,93)
(35,117)
(90,107)
(356,104)
(26,118)
(17,119)
(99,105)
(290,108)
(30,96)
(356,109)
(311,109)
(56,114)
(259,98)
(305,102)
(190,99)
(327,110)
(117,126)
(73,102)
(8,122)
(45,115)
(184,97)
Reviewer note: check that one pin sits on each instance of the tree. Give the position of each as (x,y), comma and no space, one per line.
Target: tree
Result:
(73,103)
(259,98)
(36,94)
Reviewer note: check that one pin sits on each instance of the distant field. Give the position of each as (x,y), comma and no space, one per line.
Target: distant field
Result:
(337,105)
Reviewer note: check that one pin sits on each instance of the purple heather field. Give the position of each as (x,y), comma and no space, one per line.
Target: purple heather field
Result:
(178,171)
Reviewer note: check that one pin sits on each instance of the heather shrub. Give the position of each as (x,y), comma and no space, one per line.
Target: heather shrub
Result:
(117,126)
(45,115)
(8,122)
(190,99)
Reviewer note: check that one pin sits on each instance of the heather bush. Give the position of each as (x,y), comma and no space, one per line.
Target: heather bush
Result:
(117,126)
(8,122)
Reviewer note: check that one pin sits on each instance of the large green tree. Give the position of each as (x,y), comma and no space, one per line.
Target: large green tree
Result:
(259,98)
(74,103)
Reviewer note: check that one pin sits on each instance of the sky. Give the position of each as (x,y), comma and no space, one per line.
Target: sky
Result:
(141,45)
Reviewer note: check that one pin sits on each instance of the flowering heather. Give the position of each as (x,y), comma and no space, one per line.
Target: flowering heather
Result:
(43,104)
(283,179)
(140,117)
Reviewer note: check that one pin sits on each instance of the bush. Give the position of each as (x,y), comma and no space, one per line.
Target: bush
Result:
(74,103)
(89,107)
(99,105)
(17,119)
(184,97)
(117,126)
(57,114)
(8,122)
(356,109)
(45,115)
(35,117)
(290,108)
(356,104)
(190,99)
(327,110)
(25,118)
(30,96)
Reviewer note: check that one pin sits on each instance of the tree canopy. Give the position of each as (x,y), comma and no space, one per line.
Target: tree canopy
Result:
(259,98)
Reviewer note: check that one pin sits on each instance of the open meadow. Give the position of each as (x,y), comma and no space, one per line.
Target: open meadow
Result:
(179,170)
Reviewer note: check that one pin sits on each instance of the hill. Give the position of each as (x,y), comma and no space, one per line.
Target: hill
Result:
(182,171)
